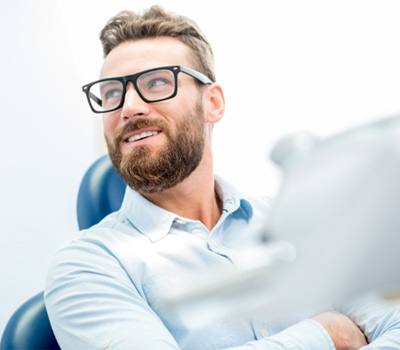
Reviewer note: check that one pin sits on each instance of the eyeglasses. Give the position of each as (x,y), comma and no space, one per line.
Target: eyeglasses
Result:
(152,85)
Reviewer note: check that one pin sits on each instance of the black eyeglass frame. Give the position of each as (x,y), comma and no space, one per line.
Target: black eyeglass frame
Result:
(202,78)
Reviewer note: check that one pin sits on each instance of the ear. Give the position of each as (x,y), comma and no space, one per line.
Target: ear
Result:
(214,104)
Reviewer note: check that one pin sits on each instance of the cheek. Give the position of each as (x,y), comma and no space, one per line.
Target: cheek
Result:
(109,125)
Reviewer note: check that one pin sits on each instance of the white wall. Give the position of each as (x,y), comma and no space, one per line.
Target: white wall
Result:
(285,66)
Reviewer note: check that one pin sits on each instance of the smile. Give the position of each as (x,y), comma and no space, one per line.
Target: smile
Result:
(141,135)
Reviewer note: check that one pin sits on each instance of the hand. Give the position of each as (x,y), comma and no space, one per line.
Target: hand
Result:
(344,332)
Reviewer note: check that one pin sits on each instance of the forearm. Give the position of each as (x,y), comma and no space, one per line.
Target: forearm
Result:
(378,319)
(307,335)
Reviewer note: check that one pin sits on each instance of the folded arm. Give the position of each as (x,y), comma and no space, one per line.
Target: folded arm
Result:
(93,303)
(378,319)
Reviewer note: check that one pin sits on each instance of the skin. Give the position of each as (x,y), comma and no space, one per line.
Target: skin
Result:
(195,197)
(345,334)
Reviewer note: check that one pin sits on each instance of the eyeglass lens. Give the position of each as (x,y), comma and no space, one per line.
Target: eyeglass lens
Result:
(153,86)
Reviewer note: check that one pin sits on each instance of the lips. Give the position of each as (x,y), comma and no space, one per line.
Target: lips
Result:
(141,134)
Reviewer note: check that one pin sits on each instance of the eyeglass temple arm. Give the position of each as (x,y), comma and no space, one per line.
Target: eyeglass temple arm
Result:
(92,96)
(199,76)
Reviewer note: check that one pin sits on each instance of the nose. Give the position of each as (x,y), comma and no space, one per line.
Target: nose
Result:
(133,105)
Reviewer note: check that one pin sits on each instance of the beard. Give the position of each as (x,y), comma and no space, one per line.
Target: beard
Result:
(147,170)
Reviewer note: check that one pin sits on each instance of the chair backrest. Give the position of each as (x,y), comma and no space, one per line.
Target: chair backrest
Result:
(29,328)
(100,193)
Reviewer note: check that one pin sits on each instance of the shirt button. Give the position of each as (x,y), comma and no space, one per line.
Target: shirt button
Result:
(264,332)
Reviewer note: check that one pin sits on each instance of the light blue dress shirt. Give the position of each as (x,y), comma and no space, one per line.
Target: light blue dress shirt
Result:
(103,288)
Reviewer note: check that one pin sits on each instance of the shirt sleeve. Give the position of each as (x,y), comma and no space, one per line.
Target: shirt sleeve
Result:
(378,319)
(93,303)
(305,335)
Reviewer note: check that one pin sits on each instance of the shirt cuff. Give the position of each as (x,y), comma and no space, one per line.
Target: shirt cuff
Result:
(308,334)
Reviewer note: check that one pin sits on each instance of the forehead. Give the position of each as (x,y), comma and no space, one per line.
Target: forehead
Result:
(134,56)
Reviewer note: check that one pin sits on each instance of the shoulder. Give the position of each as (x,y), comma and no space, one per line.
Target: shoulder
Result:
(111,245)
(259,202)
(259,205)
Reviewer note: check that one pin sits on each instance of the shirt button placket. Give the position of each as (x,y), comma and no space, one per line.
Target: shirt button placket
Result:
(214,246)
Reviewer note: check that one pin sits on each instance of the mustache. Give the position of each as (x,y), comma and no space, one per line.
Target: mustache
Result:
(138,124)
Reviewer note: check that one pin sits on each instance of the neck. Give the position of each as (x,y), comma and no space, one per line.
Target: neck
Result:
(195,197)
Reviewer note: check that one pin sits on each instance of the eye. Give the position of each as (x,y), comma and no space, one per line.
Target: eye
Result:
(110,90)
(158,82)
(112,93)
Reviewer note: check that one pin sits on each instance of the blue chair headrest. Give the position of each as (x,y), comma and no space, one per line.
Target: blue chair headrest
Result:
(100,193)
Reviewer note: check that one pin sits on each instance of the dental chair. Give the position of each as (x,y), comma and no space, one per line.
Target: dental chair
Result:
(100,193)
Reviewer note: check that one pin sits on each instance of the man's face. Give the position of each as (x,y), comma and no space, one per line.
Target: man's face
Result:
(174,144)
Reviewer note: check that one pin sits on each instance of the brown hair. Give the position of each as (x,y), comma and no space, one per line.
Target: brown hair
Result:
(156,22)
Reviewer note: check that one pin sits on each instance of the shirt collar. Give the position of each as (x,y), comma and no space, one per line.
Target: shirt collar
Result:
(148,218)
(232,199)
(155,222)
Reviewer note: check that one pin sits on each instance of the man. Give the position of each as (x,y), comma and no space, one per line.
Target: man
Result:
(158,95)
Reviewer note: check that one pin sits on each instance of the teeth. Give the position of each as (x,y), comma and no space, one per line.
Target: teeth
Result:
(142,135)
